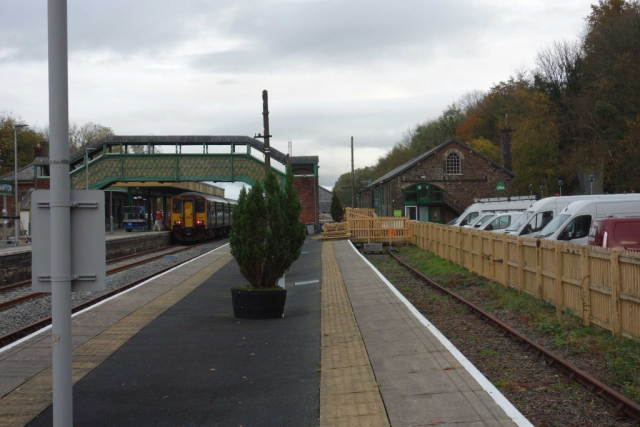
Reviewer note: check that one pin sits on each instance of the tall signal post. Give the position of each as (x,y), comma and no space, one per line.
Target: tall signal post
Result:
(266,136)
(353,180)
(265,119)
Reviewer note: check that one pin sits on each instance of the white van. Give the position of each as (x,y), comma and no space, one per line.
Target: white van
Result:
(534,219)
(573,223)
(496,204)
(501,221)
(480,220)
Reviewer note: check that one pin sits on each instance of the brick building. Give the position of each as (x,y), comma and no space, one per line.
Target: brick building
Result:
(439,184)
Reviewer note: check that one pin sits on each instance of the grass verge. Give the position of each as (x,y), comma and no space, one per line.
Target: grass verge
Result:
(619,355)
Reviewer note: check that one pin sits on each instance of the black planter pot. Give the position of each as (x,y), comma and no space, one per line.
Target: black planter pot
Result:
(258,304)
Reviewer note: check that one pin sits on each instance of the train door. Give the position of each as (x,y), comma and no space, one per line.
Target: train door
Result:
(188,213)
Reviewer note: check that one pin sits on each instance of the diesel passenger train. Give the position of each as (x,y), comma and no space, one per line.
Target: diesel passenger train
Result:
(196,216)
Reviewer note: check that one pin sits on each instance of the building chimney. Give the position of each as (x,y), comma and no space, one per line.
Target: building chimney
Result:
(41,149)
(506,144)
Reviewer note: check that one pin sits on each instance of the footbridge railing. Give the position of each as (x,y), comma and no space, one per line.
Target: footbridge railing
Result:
(169,158)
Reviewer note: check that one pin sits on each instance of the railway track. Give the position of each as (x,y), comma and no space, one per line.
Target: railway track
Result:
(526,371)
(45,321)
(18,293)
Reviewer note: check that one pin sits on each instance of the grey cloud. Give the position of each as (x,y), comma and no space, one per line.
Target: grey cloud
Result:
(350,33)
(124,26)
(300,33)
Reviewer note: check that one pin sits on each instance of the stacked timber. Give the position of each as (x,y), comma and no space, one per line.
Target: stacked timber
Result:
(335,231)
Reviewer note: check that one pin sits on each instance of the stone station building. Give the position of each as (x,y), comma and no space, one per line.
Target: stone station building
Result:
(439,184)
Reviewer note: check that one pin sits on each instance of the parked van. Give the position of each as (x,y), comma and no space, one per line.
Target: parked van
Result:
(480,220)
(572,224)
(615,233)
(534,219)
(501,221)
(496,204)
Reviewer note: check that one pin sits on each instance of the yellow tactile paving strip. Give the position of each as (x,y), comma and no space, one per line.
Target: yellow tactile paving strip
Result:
(27,401)
(349,396)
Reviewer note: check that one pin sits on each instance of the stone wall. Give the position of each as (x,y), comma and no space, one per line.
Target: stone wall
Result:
(16,267)
(478,179)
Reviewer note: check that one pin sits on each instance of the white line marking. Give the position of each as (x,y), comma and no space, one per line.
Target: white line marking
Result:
(511,411)
(46,328)
(308,282)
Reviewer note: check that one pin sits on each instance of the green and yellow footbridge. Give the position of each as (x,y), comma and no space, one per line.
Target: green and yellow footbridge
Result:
(177,159)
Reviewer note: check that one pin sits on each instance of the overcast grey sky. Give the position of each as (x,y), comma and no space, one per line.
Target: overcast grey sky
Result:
(333,69)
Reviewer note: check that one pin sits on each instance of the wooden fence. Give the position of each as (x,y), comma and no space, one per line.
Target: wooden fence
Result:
(600,285)
(365,227)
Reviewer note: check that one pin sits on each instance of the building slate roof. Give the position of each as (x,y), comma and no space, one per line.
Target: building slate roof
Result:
(303,159)
(324,199)
(24,174)
(400,169)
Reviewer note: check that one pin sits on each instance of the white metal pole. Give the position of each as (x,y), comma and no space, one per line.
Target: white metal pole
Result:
(4,221)
(60,196)
(16,222)
(110,211)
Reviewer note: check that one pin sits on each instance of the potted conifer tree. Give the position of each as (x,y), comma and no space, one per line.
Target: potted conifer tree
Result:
(266,238)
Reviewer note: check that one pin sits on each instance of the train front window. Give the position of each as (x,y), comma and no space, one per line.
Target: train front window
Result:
(177,206)
(200,205)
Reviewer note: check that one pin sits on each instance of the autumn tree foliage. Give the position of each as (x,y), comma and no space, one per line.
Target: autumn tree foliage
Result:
(28,139)
(576,113)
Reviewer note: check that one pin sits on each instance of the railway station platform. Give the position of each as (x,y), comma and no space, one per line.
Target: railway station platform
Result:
(117,235)
(15,261)
(349,351)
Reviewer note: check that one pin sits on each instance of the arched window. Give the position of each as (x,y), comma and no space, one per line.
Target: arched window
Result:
(453,164)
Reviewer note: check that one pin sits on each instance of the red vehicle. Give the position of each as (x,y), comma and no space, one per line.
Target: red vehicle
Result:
(615,233)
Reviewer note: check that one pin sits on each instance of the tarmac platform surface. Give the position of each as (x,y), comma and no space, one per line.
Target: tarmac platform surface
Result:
(349,351)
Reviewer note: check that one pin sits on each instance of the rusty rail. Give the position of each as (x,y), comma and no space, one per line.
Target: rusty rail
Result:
(622,404)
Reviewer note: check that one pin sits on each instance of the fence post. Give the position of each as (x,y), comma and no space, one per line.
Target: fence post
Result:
(492,265)
(431,238)
(586,282)
(539,289)
(520,265)
(559,289)
(505,261)
(615,291)
(464,256)
(459,247)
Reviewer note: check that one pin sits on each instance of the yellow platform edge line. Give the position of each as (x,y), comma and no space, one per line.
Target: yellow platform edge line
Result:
(34,396)
(349,394)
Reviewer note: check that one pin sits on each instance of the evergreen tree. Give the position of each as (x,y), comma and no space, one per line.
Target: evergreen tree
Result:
(337,211)
(293,208)
(267,234)
(248,234)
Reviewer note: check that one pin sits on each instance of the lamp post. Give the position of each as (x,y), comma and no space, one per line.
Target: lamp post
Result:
(531,189)
(591,178)
(16,222)
(542,191)
(560,183)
